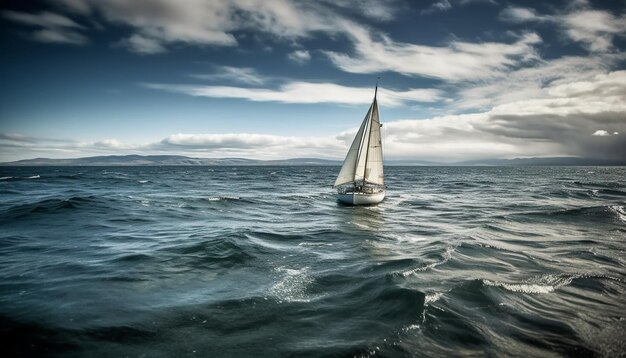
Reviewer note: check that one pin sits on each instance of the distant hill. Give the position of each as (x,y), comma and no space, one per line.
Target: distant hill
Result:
(164,160)
(179,160)
(550,161)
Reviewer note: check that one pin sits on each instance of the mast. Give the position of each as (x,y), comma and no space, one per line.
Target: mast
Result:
(355,160)
(369,135)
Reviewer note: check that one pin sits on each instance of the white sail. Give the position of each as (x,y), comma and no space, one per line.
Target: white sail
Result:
(348,170)
(364,161)
(361,162)
(374,163)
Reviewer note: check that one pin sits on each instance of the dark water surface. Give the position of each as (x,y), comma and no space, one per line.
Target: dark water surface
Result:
(262,261)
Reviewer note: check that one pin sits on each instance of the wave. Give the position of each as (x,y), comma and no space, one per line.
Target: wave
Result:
(619,211)
(219,253)
(432,297)
(292,286)
(596,184)
(580,213)
(445,257)
(544,284)
(527,287)
(13,178)
(51,205)
(223,198)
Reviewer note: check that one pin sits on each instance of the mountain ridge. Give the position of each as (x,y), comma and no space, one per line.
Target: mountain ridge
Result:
(180,160)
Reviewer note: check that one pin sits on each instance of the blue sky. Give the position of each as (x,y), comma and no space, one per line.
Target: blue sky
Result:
(460,79)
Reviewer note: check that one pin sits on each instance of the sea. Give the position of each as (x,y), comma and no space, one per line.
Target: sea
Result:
(258,261)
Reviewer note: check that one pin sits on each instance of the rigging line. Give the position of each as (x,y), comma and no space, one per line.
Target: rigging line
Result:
(369,138)
(358,158)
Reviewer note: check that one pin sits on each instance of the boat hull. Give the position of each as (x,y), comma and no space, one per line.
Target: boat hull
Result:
(358,198)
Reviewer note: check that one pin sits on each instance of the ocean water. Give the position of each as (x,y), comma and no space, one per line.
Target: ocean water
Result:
(262,261)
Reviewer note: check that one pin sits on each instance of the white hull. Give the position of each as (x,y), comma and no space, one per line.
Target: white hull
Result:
(359,198)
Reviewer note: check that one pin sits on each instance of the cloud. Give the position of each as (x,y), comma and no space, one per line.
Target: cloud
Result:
(532,81)
(108,143)
(441,5)
(53,28)
(379,10)
(578,118)
(558,124)
(160,23)
(594,29)
(245,75)
(458,61)
(299,56)
(248,145)
(520,15)
(43,19)
(141,45)
(305,92)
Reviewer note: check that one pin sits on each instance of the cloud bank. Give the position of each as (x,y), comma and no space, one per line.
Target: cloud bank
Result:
(305,93)
(583,118)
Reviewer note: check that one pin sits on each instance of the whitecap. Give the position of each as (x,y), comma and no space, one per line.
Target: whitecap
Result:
(447,255)
(544,284)
(292,286)
(411,327)
(6,178)
(620,211)
(314,244)
(432,297)
(523,288)
(34,177)
(143,181)
(223,198)
(405,237)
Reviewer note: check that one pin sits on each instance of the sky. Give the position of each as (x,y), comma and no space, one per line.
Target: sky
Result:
(459,79)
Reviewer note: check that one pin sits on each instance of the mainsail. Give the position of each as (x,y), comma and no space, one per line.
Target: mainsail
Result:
(364,161)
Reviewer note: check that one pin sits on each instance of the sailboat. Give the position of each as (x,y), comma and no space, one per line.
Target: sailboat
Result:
(360,180)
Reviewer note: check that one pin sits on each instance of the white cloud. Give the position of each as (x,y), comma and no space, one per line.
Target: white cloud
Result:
(43,19)
(251,145)
(580,118)
(305,92)
(207,22)
(595,29)
(380,10)
(458,61)
(557,124)
(109,143)
(53,28)
(299,56)
(533,81)
(245,75)
(521,14)
(441,5)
